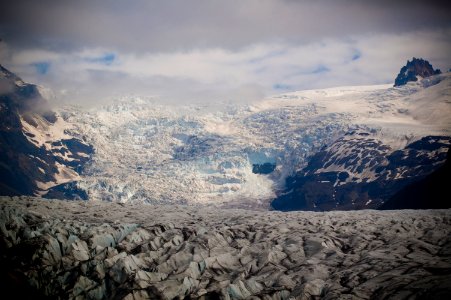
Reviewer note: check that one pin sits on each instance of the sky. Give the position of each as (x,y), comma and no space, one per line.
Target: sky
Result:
(186,51)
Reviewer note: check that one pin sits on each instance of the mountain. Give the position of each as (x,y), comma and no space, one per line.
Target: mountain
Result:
(432,192)
(38,155)
(375,140)
(414,68)
(327,149)
(360,172)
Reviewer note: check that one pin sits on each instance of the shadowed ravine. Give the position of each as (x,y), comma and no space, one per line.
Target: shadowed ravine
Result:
(100,250)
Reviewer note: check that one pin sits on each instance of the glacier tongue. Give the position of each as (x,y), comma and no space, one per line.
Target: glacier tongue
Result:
(148,152)
(154,153)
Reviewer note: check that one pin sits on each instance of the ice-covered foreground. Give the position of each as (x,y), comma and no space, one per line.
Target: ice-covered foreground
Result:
(205,155)
(98,250)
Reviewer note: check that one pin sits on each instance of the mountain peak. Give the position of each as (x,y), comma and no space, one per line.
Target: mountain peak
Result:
(414,68)
(5,72)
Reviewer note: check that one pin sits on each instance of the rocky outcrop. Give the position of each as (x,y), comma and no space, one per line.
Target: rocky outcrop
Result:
(265,168)
(414,68)
(79,250)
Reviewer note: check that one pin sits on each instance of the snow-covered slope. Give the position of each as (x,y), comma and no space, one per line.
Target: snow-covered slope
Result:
(146,151)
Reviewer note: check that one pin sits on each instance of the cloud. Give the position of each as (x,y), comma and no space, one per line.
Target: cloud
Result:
(159,26)
(217,50)
(216,74)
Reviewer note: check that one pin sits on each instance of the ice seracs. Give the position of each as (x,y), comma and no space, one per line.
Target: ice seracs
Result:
(149,152)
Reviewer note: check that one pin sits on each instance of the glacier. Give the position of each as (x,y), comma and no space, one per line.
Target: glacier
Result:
(148,151)
(97,250)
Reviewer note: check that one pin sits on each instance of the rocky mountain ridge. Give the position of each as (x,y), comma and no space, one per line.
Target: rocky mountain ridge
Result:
(414,68)
(431,192)
(37,153)
(135,149)
(333,178)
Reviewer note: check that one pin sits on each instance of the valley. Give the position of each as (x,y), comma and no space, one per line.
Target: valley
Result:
(149,152)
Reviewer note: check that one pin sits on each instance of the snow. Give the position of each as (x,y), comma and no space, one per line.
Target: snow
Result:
(65,174)
(149,152)
(44,134)
(43,186)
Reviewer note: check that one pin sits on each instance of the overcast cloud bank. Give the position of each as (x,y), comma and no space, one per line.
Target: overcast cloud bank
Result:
(213,51)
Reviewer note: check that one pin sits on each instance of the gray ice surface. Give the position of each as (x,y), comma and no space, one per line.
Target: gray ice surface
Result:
(99,250)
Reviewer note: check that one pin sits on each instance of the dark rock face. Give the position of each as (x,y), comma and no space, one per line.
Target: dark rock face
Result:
(69,191)
(359,172)
(265,168)
(18,170)
(432,192)
(414,68)
(23,162)
(75,150)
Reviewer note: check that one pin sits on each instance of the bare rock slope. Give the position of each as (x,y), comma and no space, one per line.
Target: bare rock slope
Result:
(97,250)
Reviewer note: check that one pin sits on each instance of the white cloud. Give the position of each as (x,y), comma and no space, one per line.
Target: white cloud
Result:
(216,50)
(209,74)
